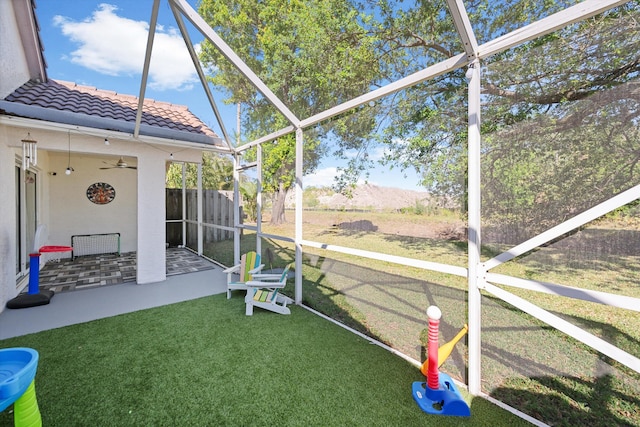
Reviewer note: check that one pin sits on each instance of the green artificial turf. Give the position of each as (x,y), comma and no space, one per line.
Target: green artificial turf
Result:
(204,363)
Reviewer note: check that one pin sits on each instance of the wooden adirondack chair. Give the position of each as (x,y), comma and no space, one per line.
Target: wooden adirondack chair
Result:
(263,292)
(249,265)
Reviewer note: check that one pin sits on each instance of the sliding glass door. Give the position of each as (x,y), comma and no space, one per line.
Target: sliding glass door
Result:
(26,182)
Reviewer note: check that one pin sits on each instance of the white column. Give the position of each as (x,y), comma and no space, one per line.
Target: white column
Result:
(8,222)
(184,205)
(151,218)
(259,199)
(200,209)
(475,269)
(298,231)
(236,209)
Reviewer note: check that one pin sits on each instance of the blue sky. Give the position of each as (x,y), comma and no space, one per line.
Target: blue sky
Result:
(102,44)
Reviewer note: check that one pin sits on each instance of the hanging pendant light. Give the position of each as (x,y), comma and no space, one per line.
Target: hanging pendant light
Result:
(69,168)
(29,152)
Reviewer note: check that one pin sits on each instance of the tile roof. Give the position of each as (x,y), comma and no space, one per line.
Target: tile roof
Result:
(87,104)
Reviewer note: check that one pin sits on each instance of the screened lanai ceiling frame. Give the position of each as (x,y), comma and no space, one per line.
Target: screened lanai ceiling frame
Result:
(478,273)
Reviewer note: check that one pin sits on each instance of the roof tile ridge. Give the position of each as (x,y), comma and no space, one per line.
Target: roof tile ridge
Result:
(86,88)
(147,101)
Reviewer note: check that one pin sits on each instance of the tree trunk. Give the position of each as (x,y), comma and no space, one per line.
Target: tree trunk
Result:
(277,211)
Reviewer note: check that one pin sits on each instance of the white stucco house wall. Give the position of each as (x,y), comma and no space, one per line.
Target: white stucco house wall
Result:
(70,124)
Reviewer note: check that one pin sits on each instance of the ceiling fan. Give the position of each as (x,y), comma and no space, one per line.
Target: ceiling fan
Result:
(121,164)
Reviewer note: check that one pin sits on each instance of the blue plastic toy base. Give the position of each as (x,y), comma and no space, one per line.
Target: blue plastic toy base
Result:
(17,370)
(446,400)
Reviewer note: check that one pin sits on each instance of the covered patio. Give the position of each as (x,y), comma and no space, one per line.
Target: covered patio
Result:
(92,271)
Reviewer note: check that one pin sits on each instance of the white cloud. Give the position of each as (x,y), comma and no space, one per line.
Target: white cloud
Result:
(320,178)
(377,153)
(114,45)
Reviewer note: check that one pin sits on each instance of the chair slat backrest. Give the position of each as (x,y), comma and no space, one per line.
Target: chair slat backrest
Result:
(248,262)
(285,272)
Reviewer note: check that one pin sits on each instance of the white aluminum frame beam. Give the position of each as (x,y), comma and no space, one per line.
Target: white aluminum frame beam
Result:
(201,76)
(551,23)
(619,301)
(298,214)
(568,328)
(589,215)
(406,82)
(145,68)
(267,138)
(248,165)
(200,207)
(259,201)
(410,262)
(226,50)
(474,241)
(236,209)
(184,205)
(463,25)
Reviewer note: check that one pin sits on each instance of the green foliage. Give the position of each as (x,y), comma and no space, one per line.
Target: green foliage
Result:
(249,193)
(310,200)
(217,173)
(284,43)
(419,208)
(571,138)
(536,97)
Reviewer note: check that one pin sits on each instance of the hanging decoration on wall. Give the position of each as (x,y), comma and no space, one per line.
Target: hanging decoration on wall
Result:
(101,193)
(29,152)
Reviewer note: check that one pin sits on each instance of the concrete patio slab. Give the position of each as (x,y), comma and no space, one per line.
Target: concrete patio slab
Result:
(69,308)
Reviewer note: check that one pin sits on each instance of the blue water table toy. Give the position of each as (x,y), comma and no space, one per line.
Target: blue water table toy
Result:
(17,385)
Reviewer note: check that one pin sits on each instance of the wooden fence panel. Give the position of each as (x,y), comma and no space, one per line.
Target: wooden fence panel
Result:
(217,207)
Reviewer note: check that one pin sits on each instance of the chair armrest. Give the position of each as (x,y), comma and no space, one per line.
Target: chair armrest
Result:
(234,269)
(266,276)
(270,285)
(255,270)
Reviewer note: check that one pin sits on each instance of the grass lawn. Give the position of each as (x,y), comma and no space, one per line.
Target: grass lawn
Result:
(203,362)
(525,363)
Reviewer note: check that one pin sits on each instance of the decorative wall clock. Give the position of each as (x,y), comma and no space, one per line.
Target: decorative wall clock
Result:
(101,193)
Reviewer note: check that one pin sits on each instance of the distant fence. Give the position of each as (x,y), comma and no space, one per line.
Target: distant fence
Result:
(217,209)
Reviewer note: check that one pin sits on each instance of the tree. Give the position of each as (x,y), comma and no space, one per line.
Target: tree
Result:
(550,107)
(562,133)
(311,54)
(364,44)
(249,191)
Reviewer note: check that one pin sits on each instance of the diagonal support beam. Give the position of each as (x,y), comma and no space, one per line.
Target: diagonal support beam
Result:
(597,211)
(570,15)
(203,79)
(226,50)
(463,25)
(147,62)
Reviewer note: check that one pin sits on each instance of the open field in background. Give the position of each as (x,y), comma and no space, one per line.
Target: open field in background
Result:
(555,378)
